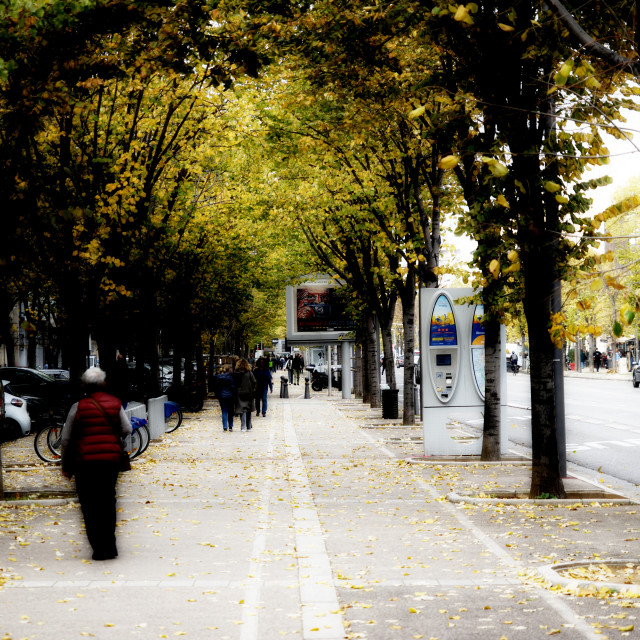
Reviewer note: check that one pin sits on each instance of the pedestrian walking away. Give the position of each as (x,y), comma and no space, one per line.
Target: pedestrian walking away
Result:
(92,450)
(264,384)
(298,366)
(597,359)
(246,388)
(289,368)
(225,390)
(514,362)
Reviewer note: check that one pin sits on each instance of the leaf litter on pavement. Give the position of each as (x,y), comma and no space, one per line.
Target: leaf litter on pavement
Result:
(373,539)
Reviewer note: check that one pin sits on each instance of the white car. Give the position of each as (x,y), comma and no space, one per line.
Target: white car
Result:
(17,420)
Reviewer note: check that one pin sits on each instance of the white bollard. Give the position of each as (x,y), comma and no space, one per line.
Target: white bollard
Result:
(156,417)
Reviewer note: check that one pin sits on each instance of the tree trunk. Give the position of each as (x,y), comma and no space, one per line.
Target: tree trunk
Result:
(105,340)
(409,324)
(6,332)
(493,360)
(387,347)
(364,377)
(357,374)
(372,362)
(539,281)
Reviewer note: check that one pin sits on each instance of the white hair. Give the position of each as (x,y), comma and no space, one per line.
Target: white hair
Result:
(94,376)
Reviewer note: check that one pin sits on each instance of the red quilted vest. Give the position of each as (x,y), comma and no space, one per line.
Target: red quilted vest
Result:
(95,438)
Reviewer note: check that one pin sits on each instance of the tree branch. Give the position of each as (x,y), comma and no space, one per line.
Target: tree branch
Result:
(600,51)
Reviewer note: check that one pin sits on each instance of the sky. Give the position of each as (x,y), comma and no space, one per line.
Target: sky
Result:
(624,163)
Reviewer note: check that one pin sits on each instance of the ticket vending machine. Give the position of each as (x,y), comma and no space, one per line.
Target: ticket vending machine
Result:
(442,352)
(452,348)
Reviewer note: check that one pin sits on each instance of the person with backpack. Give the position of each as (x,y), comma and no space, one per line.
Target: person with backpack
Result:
(245,392)
(514,362)
(264,383)
(298,366)
(225,390)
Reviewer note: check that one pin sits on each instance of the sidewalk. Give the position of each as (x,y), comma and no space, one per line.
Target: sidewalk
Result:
(316,524)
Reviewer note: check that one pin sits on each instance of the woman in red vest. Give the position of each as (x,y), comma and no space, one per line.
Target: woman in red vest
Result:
(92,450)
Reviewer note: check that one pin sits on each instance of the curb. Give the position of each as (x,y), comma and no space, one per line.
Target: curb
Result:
(453,461)
(460,499)
(550,574)
(48,502)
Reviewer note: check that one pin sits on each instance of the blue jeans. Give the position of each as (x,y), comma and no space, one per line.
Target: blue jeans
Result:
(245,420)
(227,406)
(262,398)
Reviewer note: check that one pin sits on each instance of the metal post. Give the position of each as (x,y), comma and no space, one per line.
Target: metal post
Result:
(329,358)
(558,370)
(346,369)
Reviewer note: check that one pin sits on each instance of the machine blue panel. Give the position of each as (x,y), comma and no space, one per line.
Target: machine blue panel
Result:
(442,332)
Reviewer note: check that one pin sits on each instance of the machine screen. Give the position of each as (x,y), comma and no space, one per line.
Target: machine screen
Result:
(443,360)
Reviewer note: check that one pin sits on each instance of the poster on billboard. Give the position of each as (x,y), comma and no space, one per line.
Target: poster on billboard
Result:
(317,311)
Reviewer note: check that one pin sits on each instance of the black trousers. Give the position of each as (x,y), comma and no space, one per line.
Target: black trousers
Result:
(96,486)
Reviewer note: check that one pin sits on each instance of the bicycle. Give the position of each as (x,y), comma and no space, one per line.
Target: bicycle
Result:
(47,442)
(172,416)
(136,444)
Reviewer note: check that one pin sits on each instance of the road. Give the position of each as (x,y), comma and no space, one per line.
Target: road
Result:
(602,423)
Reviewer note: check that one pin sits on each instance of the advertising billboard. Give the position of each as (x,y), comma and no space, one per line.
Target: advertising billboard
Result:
(317,312)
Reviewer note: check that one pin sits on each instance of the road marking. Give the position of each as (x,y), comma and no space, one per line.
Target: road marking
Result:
(513,564)
(255,582)
(603,444)
(318,594)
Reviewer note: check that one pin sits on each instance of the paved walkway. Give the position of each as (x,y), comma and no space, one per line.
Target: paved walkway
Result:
(312,525)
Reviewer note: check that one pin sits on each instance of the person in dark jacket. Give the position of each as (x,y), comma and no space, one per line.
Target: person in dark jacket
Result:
(245,392)
(92,450)
(264,383)
(226,394)
(298,366)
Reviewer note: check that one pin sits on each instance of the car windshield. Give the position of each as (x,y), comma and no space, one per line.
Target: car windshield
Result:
(44,376)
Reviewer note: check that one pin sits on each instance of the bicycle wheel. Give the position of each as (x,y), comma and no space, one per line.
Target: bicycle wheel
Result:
(41,446)
(173,421)
(145,438)
(54,439)
(132,444)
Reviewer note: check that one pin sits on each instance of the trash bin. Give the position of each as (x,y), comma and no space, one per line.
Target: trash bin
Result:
(389,403)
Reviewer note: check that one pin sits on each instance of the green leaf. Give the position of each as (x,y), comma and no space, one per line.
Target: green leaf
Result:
(617,329)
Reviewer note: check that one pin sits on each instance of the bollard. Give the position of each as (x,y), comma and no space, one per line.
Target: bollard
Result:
(284,387)
(307,393)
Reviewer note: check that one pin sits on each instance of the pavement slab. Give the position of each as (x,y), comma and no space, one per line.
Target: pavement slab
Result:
(317,523)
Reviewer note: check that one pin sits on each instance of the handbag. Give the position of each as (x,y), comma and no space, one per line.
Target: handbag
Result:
(124,463)
(69,459)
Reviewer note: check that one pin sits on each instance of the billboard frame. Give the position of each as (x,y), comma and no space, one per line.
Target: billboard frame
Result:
(318,284)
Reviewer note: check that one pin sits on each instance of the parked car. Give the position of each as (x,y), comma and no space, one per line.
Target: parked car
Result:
(1,405)
(400,361)
(635,376)
(58,374)
(17,422)
(44,395)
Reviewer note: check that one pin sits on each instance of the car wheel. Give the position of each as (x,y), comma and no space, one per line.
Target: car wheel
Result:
(636,383)
(12,430)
